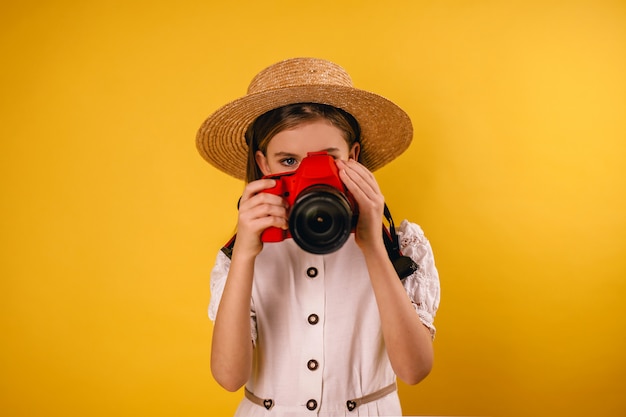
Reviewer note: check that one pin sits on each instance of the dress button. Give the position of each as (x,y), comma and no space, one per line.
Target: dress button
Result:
(313,319)
(311,405)
(312,365)
(311,272)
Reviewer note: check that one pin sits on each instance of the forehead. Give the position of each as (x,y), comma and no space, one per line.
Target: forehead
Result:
(308,137)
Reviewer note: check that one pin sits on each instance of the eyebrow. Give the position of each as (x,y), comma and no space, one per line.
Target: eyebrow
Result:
(292,155)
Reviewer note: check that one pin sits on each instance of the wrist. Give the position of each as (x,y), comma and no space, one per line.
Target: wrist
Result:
(243,253)
(374,249)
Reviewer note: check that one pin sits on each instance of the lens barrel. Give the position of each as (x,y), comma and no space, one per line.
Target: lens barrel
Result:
(320,220)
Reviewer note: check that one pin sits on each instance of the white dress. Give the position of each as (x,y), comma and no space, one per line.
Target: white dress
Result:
(316,328)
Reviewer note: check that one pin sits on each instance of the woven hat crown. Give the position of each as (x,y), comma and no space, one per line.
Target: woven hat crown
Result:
(299,72)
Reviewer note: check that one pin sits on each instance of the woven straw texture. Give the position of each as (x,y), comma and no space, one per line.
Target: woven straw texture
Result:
(386,130)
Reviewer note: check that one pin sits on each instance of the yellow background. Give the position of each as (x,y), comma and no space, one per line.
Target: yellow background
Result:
(111,220)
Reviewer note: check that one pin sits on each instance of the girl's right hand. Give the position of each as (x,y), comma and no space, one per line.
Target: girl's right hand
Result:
(257,212)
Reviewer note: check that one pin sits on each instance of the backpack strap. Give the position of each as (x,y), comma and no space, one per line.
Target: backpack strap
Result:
(403,265)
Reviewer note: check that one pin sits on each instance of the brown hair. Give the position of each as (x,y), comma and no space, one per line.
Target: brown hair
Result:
(266,126)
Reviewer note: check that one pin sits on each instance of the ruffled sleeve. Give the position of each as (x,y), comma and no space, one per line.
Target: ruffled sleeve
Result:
(218,281)
(423,285)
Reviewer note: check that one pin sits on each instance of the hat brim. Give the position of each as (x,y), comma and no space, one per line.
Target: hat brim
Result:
(386,130)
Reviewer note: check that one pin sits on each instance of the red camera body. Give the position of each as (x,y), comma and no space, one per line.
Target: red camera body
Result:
(321,214)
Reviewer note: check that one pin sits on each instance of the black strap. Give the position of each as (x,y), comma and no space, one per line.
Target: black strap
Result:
(403,265)
(228,247)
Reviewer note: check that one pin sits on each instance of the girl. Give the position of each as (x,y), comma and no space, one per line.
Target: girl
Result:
(314,334)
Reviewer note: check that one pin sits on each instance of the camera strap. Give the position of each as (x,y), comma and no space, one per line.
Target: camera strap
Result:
(403,265)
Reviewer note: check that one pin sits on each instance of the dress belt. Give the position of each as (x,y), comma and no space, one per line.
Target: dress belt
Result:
(268,403)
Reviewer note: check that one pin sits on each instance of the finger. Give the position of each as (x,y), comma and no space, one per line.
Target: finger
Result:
(264,210)
(360,174)
(261,199)
(358,179)
(259,224)
(253,195)
(256,187)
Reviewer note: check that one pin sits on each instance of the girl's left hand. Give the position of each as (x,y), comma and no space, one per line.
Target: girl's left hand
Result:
(365,190)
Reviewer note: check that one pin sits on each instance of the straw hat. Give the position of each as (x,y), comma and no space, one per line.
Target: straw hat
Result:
(386,130)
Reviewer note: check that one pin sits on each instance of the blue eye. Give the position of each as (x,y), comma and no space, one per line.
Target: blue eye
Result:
(289,162)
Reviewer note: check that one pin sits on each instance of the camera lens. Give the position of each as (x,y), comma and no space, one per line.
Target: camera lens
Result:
(320,220)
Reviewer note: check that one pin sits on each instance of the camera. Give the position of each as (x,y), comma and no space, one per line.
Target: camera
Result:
(322,213)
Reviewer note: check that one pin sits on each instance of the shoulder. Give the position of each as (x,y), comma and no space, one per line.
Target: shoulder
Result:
(413,243)
(411,235)
(221,266)
(423,286)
